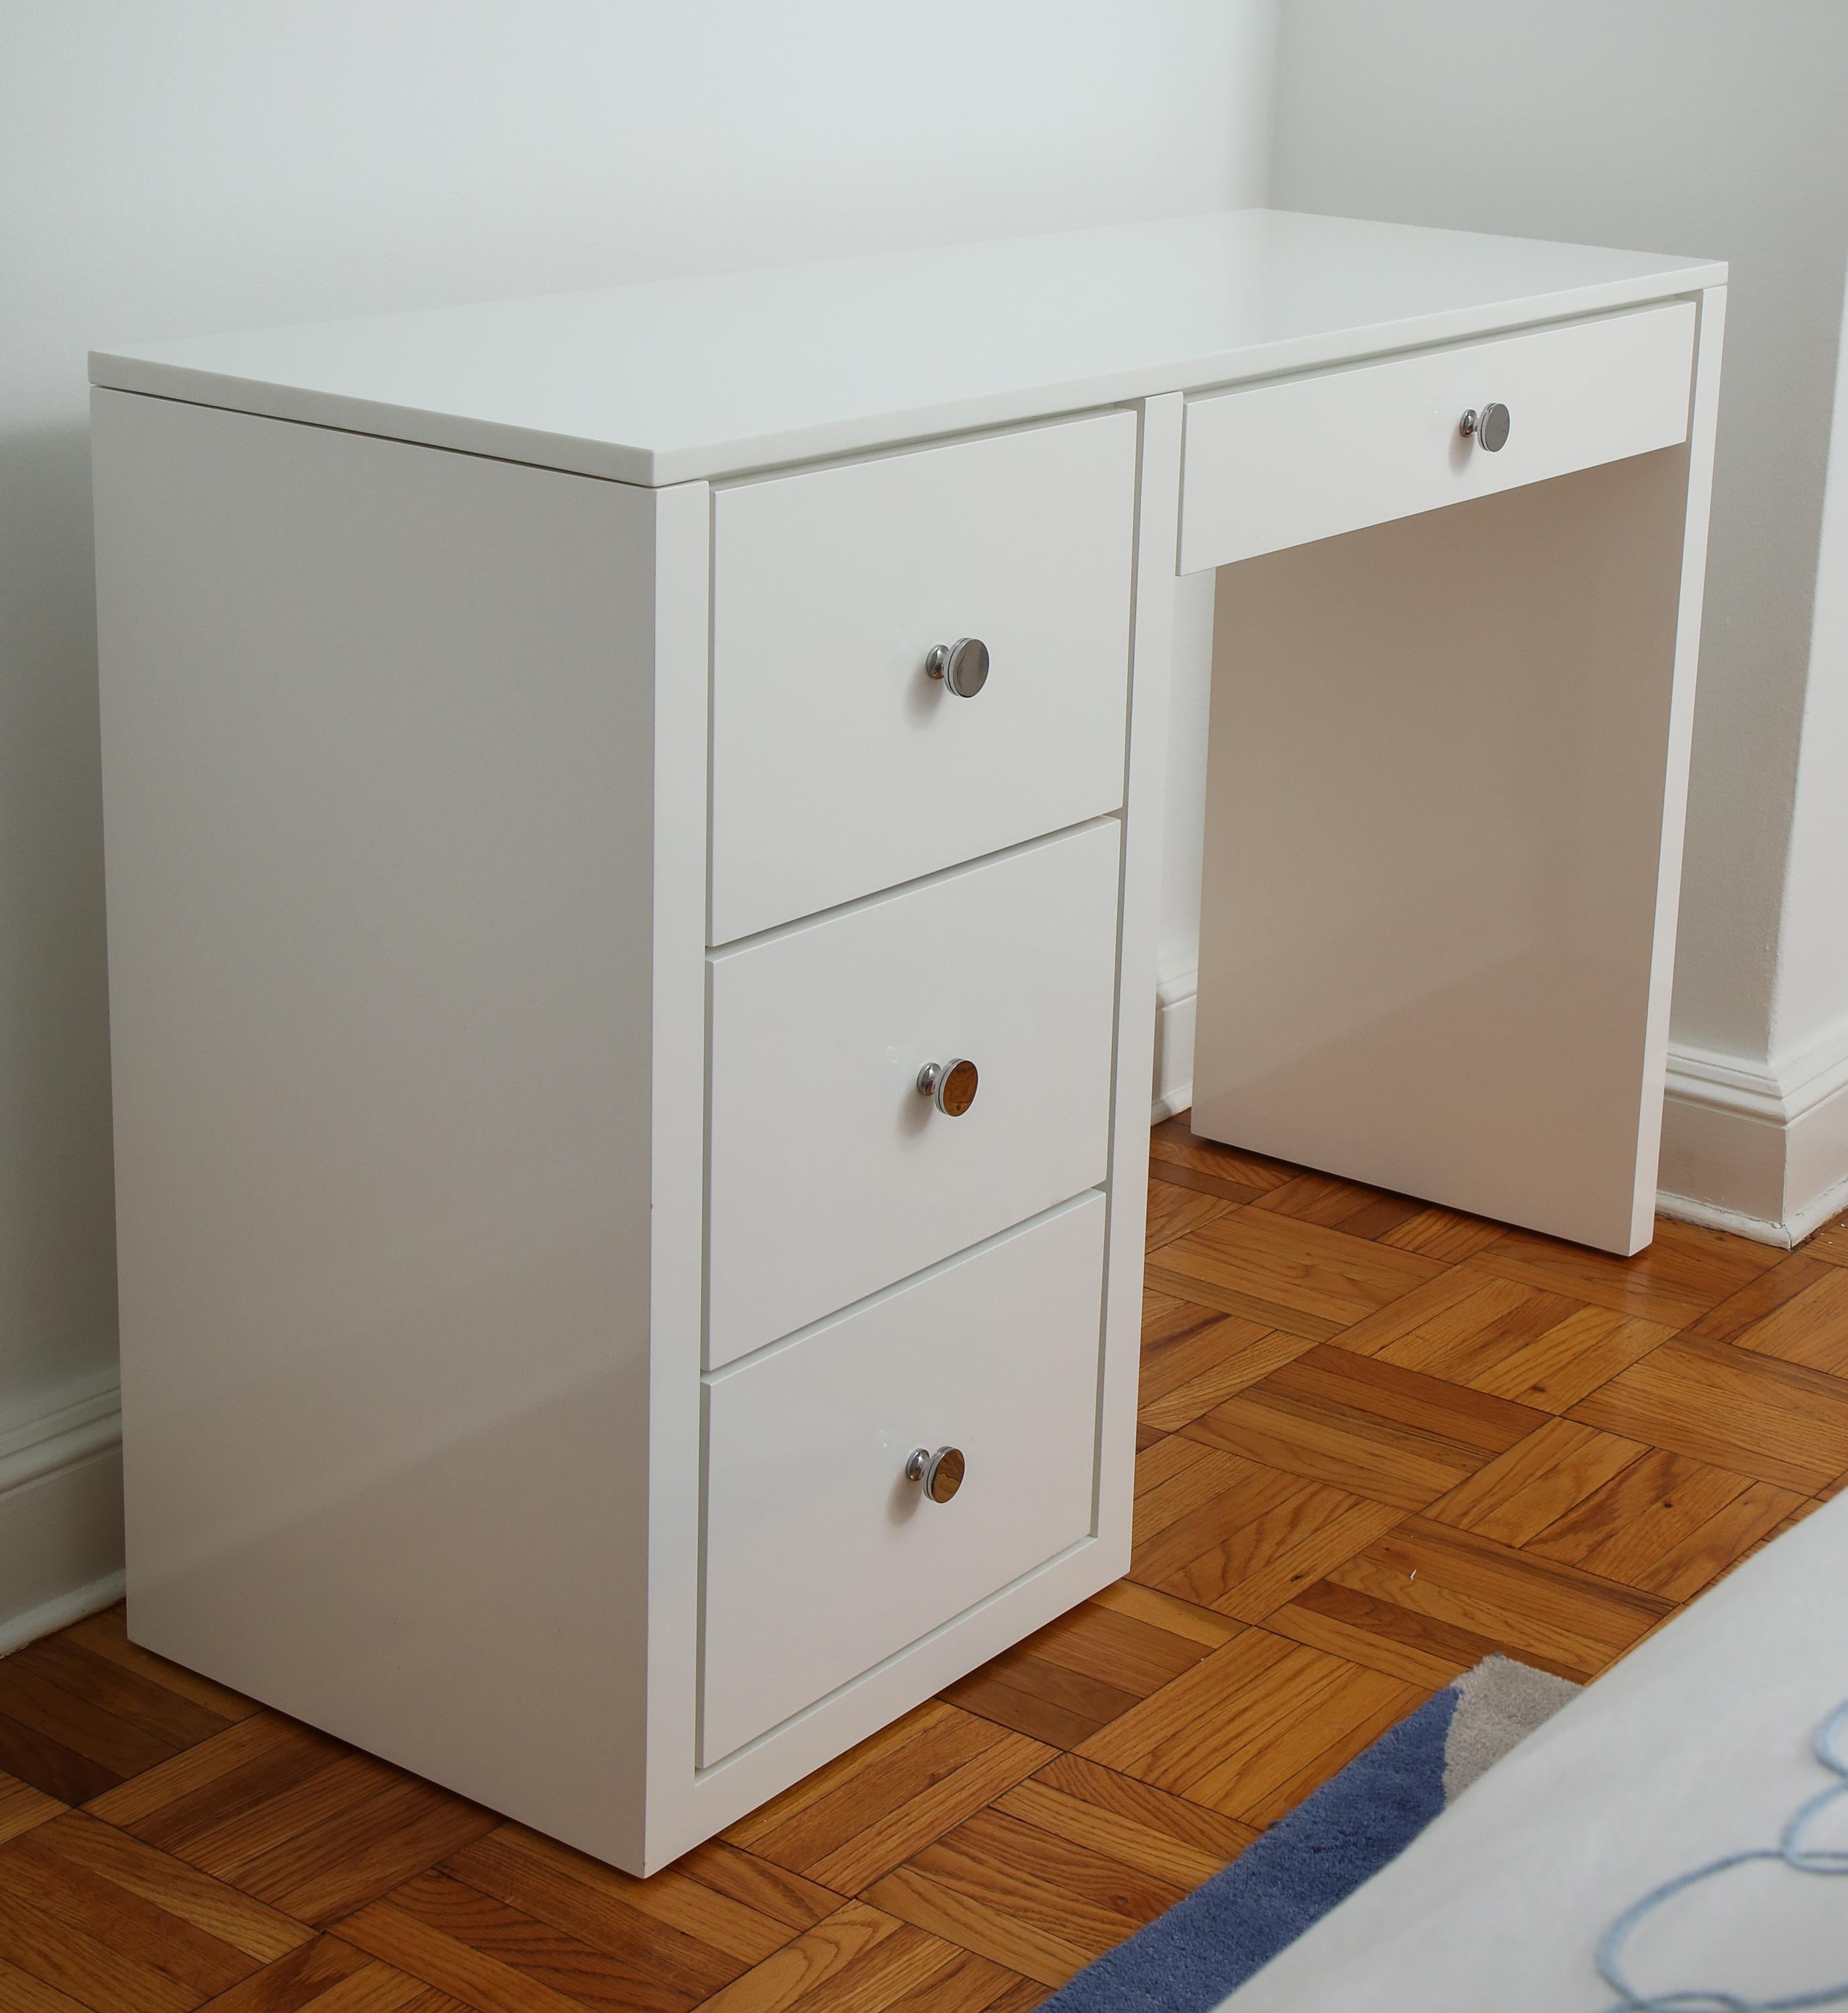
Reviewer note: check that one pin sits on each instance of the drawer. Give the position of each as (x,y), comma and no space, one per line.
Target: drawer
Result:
(821,1557)
(830,1175)
(839,766)
(1274,465)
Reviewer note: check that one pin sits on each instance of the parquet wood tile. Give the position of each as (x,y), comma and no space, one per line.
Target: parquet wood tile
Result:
(1450,1288)
(294,1818)
(1377,1442)
(1178,1210)
(1447,1235)
(1172,1174)
(1666,1523)
(613,1909)
(74,1724)
(1810,1328)
(1678,1276)
(771,1891)
(1203,1359)
(1253,1547)
(159,1717)
(1399,1641)
(1177,1518)
(354,1854)
(22,1807)
(1283,1273)
(863,1813)
(182,1802)
(329,1977)
(112,1922)
(21,1993)
(1510,1340)
(1176,1477)
(1178,1618)
(1556,1616)
(488,1953)
(1022,1896)
(1538,1482)
(1339,1205)
(1771,1420)
(1077,1674)
(1172,1145)
(861,1958)
(705,1935)
(1127,1821)
(1830,1243)
(1244,1731)
(105,1634)
(1173,1210)
(1167,1456)
(1771,1288)
(1395,1436)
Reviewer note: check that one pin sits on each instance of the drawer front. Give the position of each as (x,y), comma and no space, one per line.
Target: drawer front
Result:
(831,1176)
(840,766)
(1277,465)
(821,1557)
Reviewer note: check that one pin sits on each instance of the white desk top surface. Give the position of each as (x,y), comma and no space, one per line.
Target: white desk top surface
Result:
(676,380)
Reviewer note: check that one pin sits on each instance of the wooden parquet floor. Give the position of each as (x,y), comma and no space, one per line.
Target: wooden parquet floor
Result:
(1377,1441)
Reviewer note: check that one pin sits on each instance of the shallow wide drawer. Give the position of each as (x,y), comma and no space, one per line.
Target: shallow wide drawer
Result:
(1275,465)
(821,1557)
(839,765)
(831,1176)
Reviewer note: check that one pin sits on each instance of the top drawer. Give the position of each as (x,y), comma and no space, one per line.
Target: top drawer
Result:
(839,766)
(1278,464)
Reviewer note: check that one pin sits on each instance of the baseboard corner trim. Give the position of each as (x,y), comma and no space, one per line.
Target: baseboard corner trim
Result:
(1714,1216)
(60,1510)
(1172,1088)
(1170,1102)
(17,1630)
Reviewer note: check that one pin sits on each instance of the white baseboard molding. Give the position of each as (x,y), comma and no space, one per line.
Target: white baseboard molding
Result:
(1173,1042)
(60,1510)
(1759,1149)
(1785,1235)
(50,1616)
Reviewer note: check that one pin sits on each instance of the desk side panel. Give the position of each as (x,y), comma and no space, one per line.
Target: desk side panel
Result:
(1445,756)
(377,758)
(1703,427)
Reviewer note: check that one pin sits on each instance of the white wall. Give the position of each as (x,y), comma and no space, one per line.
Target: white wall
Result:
(195,165)
(1696,126)
(1812,993)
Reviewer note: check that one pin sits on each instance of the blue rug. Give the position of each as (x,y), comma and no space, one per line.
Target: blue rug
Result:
(1187,1961)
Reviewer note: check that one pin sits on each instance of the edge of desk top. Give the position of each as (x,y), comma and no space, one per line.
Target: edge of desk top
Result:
(674,380)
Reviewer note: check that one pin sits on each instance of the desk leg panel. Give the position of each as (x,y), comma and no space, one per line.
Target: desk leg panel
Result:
(1448,770)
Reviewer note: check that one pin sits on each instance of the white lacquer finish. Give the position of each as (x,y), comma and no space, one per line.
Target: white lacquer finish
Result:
(532,896)
(830,590)
(1281,464)
(382,880)
(994,1353)
(818,1036)
(1152,656)
(1460,742)
(711,376)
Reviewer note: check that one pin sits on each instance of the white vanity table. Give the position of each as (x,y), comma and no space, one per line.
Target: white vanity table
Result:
(589,1334)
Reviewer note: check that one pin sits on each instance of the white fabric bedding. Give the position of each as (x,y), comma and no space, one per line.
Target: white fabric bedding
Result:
(1696,1745)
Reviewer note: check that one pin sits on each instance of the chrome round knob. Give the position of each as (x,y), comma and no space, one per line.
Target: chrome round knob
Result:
(950,1086)
(941,1473)
(963,667)
(1489,427)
